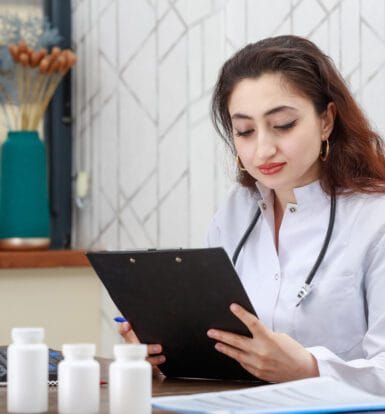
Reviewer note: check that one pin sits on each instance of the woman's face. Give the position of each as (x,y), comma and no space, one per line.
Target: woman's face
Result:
(277,132)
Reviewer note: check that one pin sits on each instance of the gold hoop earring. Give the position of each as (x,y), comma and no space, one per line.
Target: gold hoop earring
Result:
(324,151)
(239,164)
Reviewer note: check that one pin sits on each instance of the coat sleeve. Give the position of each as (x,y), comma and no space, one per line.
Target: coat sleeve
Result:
(366,373)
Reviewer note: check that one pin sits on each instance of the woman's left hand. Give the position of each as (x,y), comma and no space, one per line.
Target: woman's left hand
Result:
(270,356)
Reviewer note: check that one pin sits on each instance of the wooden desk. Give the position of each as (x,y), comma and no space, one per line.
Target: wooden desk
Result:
(161,386)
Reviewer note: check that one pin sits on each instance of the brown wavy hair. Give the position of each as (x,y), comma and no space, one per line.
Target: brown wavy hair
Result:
(356,162)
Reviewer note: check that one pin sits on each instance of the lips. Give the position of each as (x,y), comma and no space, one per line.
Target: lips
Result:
(271,168)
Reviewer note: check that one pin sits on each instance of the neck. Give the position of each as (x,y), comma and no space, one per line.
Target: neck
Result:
(282,197)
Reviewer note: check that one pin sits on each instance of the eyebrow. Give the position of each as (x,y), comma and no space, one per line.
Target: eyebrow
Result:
(281,108)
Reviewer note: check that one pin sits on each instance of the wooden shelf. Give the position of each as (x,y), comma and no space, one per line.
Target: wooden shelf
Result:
(46,258)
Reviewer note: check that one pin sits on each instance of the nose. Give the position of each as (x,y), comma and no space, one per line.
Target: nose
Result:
(265,147)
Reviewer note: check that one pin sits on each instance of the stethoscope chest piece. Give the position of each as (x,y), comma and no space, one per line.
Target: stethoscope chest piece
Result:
(303,293)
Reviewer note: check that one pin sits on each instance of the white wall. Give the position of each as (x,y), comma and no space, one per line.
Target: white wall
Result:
(141,103)
(142,90)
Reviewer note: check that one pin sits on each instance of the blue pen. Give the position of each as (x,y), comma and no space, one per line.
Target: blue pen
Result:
(120,319)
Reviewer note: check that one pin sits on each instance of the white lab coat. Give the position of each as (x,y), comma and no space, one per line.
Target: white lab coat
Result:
(342,321)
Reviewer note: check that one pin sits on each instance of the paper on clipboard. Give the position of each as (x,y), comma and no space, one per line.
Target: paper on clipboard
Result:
(323,394)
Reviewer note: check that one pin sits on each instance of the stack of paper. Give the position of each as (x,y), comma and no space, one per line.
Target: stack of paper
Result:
(321,394)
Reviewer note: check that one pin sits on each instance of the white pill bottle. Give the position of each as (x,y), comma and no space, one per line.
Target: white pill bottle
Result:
(130,380)
(27,371)
(78,380)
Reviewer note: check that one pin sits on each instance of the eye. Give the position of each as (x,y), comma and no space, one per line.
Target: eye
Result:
(286,126)
(244,133)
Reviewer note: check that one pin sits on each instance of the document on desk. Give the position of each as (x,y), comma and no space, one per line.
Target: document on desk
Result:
(323,394)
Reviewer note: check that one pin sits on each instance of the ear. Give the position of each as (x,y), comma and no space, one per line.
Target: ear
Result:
(327,120)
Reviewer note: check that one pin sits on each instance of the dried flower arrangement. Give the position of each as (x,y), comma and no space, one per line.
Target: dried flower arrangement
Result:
(29,74)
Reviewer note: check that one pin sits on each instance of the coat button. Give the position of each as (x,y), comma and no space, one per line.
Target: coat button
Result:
(292,209)
(264,206)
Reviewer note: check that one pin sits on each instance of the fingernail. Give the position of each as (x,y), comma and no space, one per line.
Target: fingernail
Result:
(218,347)
(157,348)
(124,326)
(234,307)
(120,319)
(211,333)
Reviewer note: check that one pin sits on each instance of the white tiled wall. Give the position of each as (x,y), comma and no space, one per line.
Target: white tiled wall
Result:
(141,104)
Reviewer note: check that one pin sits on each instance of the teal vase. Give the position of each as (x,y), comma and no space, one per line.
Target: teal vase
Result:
(24,213)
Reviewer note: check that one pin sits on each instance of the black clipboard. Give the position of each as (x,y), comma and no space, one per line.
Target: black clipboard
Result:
(173,297)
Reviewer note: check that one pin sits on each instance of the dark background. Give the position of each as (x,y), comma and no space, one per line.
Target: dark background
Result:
(58,134)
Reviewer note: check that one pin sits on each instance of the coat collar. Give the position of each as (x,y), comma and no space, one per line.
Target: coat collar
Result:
(309,195)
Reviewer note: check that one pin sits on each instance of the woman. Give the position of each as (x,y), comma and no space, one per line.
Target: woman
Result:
(313,261)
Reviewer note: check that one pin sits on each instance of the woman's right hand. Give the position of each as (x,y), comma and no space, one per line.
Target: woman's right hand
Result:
(153,350)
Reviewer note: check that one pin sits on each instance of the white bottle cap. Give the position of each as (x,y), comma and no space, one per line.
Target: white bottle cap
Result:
(79,351)
(130,351)
(27,335)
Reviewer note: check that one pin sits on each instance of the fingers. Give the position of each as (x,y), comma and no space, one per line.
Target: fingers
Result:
(125,330)
(156,360)
(253,369)
(156,372)
(249,352)
(231,352)
(236,341)
(124,327)
(248,361)
(254,325)
(153,350)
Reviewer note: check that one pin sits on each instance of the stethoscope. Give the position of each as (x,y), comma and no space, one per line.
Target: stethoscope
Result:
(306,288)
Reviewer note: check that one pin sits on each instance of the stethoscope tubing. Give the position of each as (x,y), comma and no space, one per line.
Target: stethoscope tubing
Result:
(305,290)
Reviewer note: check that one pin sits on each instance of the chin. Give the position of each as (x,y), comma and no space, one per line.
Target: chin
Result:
(273,183)
(283,181)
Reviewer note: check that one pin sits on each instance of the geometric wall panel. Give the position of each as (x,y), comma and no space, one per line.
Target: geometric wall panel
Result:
(142,93)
